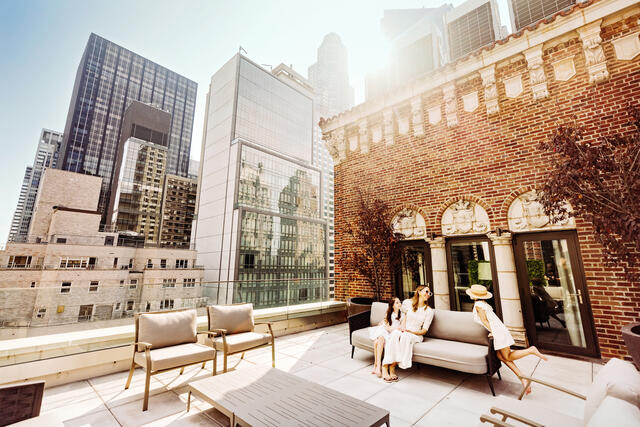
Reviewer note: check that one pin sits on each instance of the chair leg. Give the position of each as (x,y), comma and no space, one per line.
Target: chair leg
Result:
(189,401)
(147,383)
(225,362)
(242,355)
(499,376)
(182,370)
(352,350)
(490,381)
(203,364)
(215,364)
(273,355)
(133,367)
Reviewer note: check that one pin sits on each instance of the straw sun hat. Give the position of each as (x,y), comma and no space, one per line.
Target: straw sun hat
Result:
(479,292)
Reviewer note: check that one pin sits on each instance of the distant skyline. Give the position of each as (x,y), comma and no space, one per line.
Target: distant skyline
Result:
(41,43)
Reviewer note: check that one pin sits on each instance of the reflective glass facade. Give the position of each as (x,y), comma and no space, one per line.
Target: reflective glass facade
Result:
(108,78)
(273,114)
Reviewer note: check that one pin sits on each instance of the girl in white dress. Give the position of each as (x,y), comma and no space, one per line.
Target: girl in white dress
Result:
(398,349)
(380,333)
(502,339)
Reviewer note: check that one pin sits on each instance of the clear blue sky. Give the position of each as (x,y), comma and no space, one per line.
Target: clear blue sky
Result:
(41,43)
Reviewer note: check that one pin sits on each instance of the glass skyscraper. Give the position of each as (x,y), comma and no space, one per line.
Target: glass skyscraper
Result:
(109,77)
(259,225)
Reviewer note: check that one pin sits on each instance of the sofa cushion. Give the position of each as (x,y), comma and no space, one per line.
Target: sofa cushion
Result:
(378,311)
(615,412)
(532,410)
(457,326)
(617,378)
(167,329)
(176,356)
(461,356)
(360,338)
(235,318)
(241,342)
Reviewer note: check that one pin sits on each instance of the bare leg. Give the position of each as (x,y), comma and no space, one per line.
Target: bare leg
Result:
(378,346)
(519,354)
(503,354)
(392,371)
(385,373)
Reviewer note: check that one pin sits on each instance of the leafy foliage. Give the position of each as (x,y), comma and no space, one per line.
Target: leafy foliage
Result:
(376,253)
(601,181)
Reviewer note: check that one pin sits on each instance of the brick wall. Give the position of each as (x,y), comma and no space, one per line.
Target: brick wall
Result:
(493,159)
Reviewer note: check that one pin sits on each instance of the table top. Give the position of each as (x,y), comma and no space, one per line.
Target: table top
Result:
(264,396)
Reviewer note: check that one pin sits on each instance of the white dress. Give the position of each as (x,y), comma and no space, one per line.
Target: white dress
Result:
(501,336)
(399,345)
(381,330)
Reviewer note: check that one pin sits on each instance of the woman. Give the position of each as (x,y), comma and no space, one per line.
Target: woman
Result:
(502,339)
(398,349)
(380,333)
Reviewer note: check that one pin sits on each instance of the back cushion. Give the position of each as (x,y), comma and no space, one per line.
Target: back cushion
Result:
(166,329)
(618,379)
(457,326)
(235,318)
(378,310)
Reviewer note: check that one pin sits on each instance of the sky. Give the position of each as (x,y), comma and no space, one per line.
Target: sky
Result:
(41,43)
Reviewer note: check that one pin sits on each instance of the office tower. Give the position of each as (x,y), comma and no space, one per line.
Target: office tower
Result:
(46,157)
(259,227)
(178,210)
(329,77)
(136,202)
(109,77)
(194,169)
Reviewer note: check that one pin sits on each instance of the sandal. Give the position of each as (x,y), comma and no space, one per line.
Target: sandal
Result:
(388,380)
(395,378)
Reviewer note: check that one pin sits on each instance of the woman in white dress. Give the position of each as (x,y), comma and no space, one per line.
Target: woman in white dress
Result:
(380,333)
(502,339)
(398,349)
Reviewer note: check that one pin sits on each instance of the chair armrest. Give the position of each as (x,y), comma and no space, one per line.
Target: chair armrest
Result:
(358,321)
(496,422)
(507,414)
(529,380)
(493,363)
(263,323)
(220,331)
(269,325)
(210,333)
(145,345)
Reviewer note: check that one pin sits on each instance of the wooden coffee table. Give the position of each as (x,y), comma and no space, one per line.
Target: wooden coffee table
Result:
(263,396)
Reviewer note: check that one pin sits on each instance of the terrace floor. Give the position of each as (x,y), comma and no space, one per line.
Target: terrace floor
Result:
(425,395)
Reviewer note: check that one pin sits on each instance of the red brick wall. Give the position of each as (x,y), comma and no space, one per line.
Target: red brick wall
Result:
(494,159)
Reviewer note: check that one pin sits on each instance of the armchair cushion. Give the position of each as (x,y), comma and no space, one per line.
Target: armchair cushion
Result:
(617,378)
(615,412)
(461,356)
(457,326)
(361,338)
(167,329)
(234,318)
(242,341)
(378,310)
(535,412)
(176,356)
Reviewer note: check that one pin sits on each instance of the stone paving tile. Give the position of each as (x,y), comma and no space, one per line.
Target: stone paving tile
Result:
(161,406)
(111,390)
(95,419)
(71,401)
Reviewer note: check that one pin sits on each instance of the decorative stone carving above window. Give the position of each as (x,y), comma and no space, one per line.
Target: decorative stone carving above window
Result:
(564,69)
(627,47)
(536,73)
(376,134)
(387,117)
(409,224)
(364,137)
(416,116)
(435,115)
(450,105)
(353,143)
(594,55)
(488,76)
(464,217)
(513,86)
(470,102)
(526,214)
(403,125)
(337,146)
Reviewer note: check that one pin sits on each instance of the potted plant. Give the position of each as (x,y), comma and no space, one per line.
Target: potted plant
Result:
(631,335)
(375,252)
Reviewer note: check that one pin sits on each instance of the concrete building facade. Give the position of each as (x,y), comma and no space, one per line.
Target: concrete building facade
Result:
(456,154)
(178,211)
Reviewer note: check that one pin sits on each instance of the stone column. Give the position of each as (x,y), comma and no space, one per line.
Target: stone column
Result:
(508,286)
(440,273)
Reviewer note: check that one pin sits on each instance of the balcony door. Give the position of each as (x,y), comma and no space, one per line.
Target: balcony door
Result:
(554,297)
(415,270)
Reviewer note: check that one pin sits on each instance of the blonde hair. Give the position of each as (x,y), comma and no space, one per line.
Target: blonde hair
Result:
(415,300)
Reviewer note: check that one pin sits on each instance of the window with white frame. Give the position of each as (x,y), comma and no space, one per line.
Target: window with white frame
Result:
(166,304)
(41,313)
(73,262)
(130,305)
(188,283)
(182,263)
(65,288)
(168,283)
(93,286)
(133,283)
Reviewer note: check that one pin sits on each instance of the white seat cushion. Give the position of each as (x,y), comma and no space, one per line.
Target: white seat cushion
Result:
(617,378)
(615,412)
(241,342)
(176,356)
(360,339)
(461,356)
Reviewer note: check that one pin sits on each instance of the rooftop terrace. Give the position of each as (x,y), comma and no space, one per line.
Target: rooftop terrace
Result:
(424,395)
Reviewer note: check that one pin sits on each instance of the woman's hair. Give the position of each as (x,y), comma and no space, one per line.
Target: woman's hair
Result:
(416,298)
(390,310)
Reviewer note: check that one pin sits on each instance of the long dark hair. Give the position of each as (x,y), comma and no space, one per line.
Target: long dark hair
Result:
(390,310)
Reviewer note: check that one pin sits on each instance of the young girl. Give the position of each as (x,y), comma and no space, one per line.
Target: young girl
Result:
(380,333)
(398,349)
(502,339)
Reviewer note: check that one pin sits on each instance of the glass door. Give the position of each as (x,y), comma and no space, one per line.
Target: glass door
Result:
(553,293)
(415,269)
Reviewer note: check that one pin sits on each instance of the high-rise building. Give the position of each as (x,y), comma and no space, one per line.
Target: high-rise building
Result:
(136,201)
(178,210)
(46,157)
(259,228)
(329,77)
(194,169)
(109,77)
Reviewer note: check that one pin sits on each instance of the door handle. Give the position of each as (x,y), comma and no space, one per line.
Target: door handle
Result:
(578,294)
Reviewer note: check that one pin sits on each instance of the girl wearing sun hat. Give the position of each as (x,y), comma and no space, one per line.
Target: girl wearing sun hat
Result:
(502,339)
